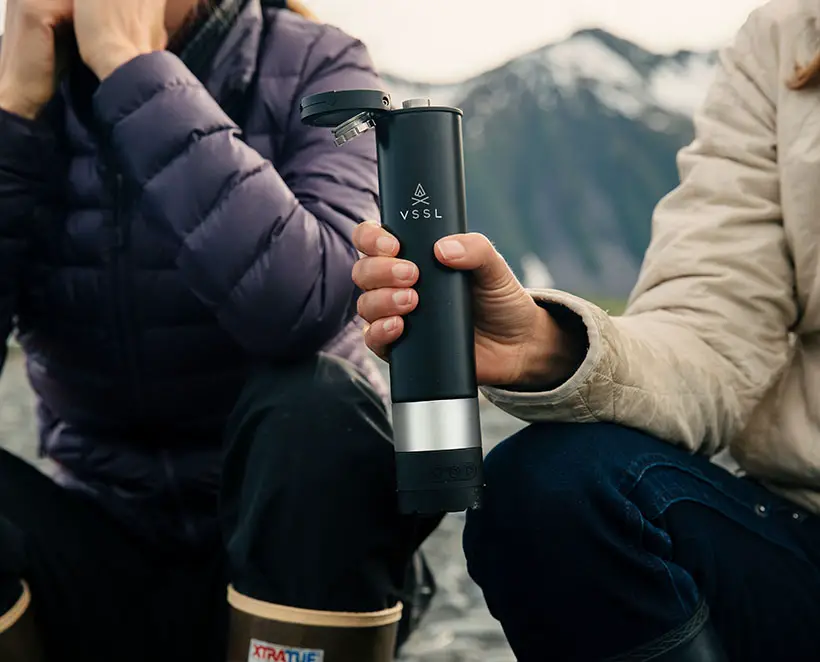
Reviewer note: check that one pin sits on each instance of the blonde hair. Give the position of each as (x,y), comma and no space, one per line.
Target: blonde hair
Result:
(806,75)
(298,7)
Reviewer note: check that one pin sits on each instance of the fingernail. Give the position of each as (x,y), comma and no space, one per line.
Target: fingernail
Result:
(389,324)
(451,249)
(365,330)
(387,245)
(404,271)
(402,298)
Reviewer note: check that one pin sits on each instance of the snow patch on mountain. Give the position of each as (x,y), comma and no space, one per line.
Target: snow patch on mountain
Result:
(585,58)
(536,274)
(681,86)
(587,62)
(676,83)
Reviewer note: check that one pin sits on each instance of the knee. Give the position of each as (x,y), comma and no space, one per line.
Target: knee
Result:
(314,404)
(306,383)
(556,465)
(551,481)
(320,416)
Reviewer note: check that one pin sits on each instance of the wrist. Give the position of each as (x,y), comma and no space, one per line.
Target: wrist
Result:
(113,58)
(17,103)
(556,350)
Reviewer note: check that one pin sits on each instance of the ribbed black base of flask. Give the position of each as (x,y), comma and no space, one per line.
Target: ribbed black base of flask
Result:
(434,482)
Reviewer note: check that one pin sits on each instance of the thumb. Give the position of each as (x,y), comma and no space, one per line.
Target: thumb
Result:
(474,252)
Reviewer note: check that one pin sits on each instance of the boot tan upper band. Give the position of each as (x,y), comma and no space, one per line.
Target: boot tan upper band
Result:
(13,615)
(337,619)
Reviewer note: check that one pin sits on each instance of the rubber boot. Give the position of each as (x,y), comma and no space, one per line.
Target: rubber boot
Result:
(263,631)
(19,639)
(694,641)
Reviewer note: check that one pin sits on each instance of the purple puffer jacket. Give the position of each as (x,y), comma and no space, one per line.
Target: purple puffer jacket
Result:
(147,263)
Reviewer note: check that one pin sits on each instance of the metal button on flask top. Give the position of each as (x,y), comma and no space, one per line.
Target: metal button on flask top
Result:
(437,431)
(416,103)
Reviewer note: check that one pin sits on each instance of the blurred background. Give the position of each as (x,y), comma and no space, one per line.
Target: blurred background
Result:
(573,115)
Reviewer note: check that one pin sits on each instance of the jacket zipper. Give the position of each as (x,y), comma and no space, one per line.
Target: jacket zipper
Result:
(129,338)
(127,335)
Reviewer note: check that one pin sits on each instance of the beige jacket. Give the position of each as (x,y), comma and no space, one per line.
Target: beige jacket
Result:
(720,344)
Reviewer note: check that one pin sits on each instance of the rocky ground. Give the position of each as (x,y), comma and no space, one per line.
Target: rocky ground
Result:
(458,627)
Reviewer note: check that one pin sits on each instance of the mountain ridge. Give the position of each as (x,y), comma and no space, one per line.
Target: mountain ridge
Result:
(603,35)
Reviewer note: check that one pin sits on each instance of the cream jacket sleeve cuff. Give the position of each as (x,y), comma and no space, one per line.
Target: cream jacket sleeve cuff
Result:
(567,402)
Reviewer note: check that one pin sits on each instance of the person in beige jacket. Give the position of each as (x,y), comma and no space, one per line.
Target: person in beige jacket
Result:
(664,504)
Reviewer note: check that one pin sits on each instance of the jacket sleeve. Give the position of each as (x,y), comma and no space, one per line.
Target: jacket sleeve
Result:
(27,155)
(269,250)
(707,330)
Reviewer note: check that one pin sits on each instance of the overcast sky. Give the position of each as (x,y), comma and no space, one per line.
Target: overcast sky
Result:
(446,40)
(450,39)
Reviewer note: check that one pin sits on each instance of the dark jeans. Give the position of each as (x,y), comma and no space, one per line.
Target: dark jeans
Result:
(308,514)
(597,539)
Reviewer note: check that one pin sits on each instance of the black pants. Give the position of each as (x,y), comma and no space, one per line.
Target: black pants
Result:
(597,540)
(308,515)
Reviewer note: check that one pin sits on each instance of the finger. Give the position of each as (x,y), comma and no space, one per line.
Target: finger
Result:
(372,239)
(474,252)
(379,351)
(386,302)
(371,273)
(381,334)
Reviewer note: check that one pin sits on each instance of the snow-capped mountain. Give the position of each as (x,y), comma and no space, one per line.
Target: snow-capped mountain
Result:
(568,150)
(624,77)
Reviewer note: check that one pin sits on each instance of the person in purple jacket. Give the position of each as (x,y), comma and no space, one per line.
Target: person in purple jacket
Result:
(175,259)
